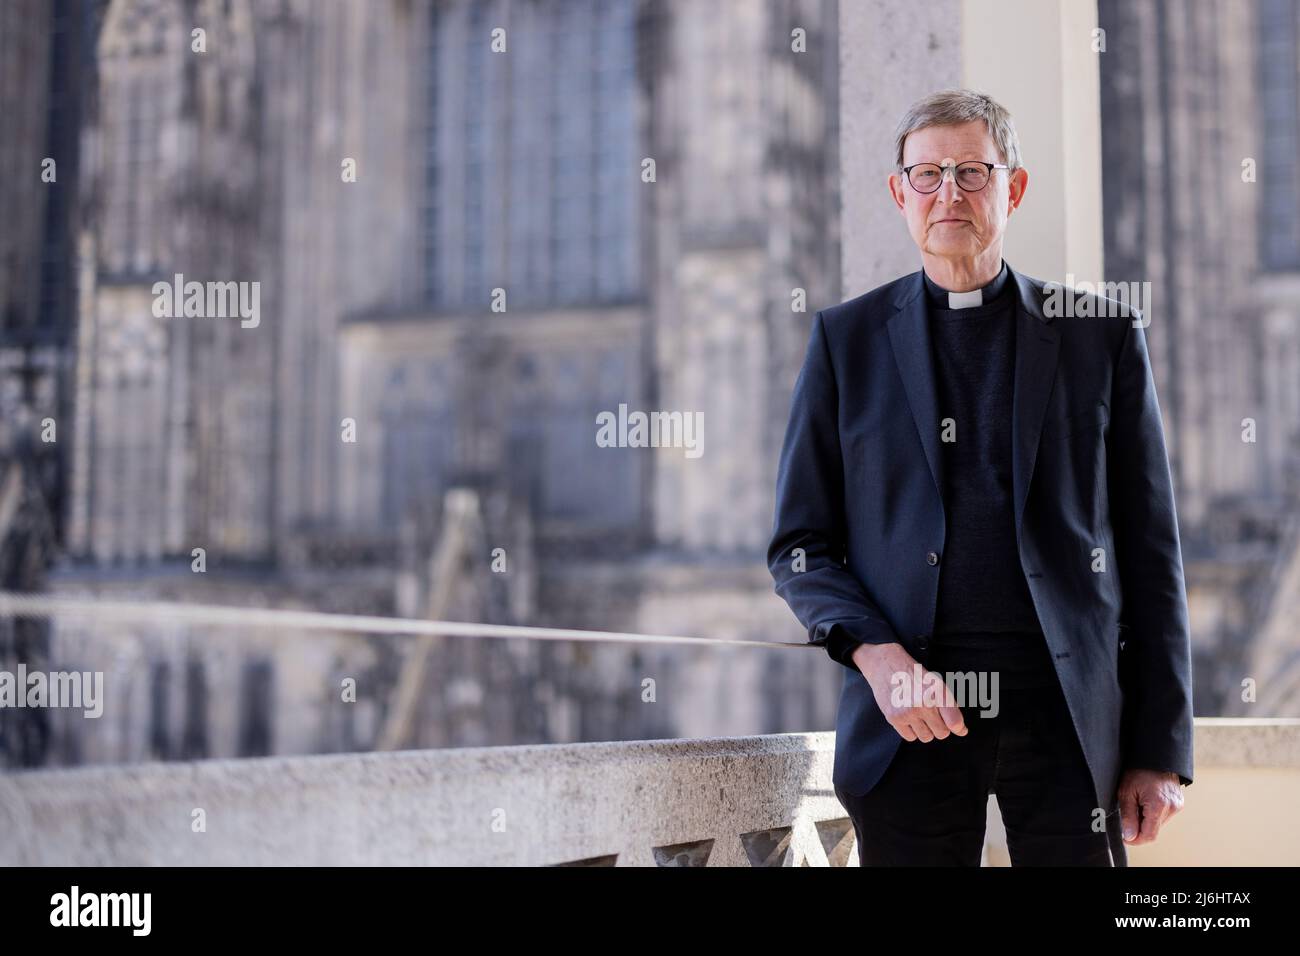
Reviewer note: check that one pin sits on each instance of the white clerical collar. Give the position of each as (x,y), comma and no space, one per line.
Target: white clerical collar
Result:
(942,298)
(964,300)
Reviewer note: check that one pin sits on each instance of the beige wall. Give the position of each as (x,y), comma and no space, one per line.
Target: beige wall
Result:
(1231,817)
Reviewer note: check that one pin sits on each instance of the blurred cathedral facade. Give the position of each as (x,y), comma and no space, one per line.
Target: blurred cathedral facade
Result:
(379,169)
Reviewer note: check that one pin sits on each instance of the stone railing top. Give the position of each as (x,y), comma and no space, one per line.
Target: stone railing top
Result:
(761,800)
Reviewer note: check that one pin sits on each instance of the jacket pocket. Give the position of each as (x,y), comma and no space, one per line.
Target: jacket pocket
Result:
(1086,420)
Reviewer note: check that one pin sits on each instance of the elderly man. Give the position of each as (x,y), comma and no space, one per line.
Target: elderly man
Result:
(974,484)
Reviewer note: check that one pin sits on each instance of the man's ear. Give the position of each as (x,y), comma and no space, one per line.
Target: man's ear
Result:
(1019,183)
(896,190)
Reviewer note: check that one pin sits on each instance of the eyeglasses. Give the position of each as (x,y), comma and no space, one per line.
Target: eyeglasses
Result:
(970,176)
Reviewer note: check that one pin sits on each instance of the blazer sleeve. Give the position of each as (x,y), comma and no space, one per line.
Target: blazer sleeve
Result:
(806,553)
(1156,666)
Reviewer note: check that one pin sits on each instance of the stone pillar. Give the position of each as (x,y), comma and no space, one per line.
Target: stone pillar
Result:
(890,58)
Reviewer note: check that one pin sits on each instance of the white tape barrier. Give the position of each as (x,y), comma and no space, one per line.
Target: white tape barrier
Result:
(43,606)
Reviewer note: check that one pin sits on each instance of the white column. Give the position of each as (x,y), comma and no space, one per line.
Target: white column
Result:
(1036,58)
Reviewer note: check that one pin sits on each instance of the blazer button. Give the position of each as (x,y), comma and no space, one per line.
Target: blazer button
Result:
(922,642)
(932,558)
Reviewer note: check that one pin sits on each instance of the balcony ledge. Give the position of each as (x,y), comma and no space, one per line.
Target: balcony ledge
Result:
(745,801)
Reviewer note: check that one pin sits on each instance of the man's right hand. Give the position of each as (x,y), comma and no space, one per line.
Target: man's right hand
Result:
(878,664)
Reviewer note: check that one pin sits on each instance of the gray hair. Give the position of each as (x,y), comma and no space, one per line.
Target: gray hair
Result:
(950,107)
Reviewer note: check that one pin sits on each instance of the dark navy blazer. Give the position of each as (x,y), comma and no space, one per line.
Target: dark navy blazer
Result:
(860,516)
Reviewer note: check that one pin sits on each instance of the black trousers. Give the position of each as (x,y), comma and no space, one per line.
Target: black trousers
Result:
(930,807)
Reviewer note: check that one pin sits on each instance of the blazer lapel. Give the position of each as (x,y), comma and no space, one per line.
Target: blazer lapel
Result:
(1038,346)
(1037,352)
(909,334)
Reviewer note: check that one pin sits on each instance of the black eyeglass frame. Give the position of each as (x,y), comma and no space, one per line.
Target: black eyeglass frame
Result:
(907,172)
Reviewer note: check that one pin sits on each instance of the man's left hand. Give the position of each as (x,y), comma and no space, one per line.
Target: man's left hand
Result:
(1147,798)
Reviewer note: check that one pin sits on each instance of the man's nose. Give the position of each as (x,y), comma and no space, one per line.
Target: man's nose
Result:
(948,188)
